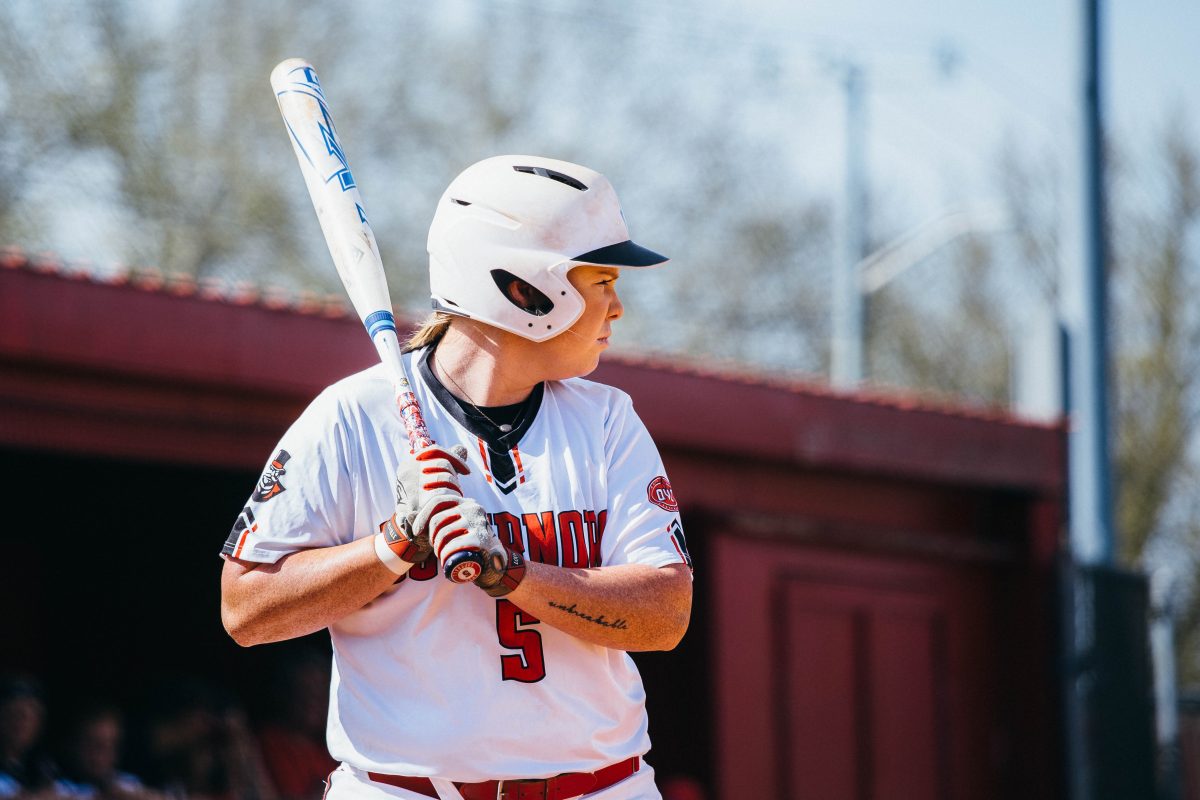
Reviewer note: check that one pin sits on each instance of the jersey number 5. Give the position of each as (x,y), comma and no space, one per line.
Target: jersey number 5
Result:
(529,666)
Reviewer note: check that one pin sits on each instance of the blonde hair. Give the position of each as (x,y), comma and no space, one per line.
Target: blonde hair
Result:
(429,332)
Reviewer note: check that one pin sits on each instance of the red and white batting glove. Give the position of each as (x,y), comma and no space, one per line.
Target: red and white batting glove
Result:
(432,472)
(458,524)
(502,574)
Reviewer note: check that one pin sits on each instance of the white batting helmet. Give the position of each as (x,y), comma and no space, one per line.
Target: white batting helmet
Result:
(508,229)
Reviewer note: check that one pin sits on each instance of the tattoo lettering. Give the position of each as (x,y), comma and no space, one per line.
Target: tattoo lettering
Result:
(618,624)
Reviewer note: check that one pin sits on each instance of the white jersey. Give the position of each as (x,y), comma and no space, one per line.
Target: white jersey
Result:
(436,679)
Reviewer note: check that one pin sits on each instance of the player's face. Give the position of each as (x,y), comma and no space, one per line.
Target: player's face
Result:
(576,351)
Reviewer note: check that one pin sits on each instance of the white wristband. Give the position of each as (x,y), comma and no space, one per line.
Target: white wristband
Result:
(390,560)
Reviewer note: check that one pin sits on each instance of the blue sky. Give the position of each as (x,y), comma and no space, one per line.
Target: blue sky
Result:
(934,137)
(1023,46)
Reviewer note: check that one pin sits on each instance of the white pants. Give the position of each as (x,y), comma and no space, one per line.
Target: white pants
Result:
(348,783)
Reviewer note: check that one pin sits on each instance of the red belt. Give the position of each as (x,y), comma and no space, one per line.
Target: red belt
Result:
(560,787)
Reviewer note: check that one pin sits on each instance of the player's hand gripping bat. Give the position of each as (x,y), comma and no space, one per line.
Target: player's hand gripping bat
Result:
(352,244)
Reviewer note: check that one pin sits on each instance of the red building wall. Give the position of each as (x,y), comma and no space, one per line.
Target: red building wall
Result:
(875,614)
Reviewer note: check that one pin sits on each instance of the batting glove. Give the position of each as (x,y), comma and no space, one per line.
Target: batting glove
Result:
(459,524)
(433,472)
(455,524)
(501,575)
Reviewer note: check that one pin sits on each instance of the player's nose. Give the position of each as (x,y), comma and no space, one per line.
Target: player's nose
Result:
(616,309)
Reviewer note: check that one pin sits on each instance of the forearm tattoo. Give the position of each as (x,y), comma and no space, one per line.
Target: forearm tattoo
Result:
(618,624)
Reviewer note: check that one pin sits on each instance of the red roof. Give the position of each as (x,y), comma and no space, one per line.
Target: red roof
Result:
(180,351)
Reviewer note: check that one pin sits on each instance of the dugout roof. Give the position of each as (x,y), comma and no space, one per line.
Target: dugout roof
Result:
(137,365)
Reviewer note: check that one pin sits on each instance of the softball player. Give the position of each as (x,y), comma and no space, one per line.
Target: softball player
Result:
(518,686)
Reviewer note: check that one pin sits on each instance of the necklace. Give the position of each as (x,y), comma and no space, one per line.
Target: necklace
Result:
(504,428)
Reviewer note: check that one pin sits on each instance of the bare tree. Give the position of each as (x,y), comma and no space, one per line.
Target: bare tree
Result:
(175,108)
(161,120)
(958,346)
(1158,334)
(956,342)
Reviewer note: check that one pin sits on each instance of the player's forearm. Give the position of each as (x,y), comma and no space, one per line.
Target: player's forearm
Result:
(628,607)
(301,593)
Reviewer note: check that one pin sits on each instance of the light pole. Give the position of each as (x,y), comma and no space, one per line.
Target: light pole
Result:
(846,351)
(1085,311)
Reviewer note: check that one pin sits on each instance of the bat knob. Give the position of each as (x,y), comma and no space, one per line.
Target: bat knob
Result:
(464,566)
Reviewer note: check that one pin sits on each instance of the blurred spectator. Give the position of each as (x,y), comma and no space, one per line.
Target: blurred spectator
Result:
(683,787)
(89,755)
(293,740)
(197,745)
(22,720)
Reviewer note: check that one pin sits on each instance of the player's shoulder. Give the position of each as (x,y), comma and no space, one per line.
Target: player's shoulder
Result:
(586,388)
(591,396)
(372,379)
(347,395)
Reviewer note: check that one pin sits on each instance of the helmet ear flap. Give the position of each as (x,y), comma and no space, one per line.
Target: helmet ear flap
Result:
(522,294)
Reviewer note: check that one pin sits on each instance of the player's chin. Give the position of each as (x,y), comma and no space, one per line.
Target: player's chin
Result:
(588,366)
(581,366)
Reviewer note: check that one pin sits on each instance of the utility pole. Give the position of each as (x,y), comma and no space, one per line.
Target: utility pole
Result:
(846,356)
(1090,492)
